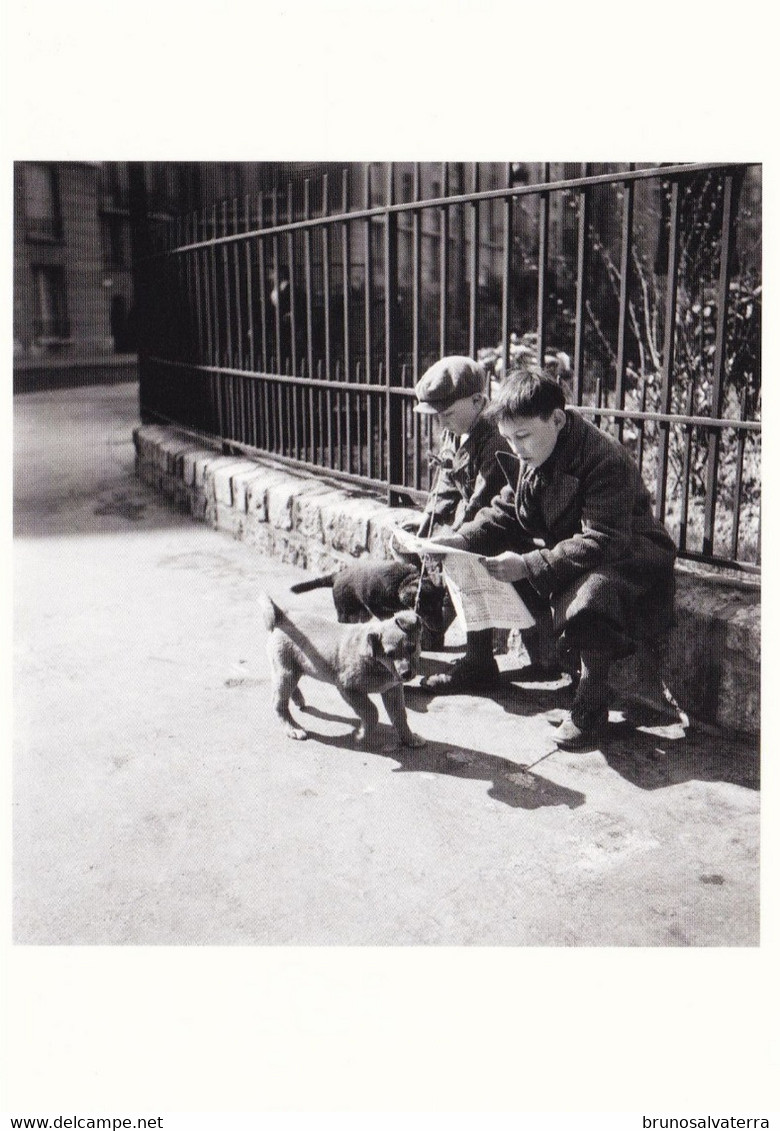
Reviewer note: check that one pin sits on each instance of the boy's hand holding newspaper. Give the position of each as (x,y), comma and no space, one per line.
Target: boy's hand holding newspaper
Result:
(506,567)
(481,599)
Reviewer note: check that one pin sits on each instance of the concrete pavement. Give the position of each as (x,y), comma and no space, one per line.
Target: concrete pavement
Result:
(156,801)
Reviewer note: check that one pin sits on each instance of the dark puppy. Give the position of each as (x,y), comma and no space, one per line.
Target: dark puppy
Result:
(380,589)
(360,660)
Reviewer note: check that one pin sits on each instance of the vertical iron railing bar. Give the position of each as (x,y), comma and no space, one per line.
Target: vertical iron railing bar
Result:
(395,446)
(541,296)
(277,279)
(474,265)
(226,359)
(344,405)
(217,359)
(737,504)
(642,403)
(444,250)
(326,303)
(583,220)
(307,279)
(368,310)
(261,273)
(196,314)
(353,445)
(369,275)
(199,303)
(264,280)
(326,281)
(250,293)
(312,421)
(291,289)
(670,337)
(339,414)
(720,359)
(416,345)
(255,414)
(294,399)
(417,449)
(205,259)
(237,283)
(686,471)
(346,271)
(625,280)
(506,276)
(237,361)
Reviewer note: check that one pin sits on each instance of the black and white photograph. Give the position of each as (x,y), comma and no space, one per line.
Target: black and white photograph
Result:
(389,720)
(451,470)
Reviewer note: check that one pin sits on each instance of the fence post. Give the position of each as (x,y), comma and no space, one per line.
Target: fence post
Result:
(394,409)
(719,362)
(670,325)
(506,278)
(544,253)
(142,277)
(582,286)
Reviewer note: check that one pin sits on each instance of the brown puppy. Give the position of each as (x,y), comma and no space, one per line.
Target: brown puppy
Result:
(359,659)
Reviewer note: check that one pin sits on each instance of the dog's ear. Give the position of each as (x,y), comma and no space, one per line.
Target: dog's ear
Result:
(408,622)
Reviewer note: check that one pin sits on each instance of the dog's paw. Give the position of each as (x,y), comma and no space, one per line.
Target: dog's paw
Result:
(296,732)
(415,740)
(409,739)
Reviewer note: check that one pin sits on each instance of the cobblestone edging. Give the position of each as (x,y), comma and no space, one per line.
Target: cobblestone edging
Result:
(713,660)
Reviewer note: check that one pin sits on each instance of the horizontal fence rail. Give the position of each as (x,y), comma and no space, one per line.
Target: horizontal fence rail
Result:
(295,322)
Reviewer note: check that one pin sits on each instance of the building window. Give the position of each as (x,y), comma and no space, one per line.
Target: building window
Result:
(51,307)
(114,235)
(42,202)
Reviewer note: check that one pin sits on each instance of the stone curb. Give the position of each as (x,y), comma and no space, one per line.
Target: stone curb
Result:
(712,663)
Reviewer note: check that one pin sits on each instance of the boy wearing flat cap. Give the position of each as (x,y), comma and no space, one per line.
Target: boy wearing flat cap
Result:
(469,475)
(574,530)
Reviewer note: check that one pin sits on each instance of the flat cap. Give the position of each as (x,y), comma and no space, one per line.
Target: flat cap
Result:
(450,379)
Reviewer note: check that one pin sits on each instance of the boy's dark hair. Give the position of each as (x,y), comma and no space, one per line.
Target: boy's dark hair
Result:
(527,392)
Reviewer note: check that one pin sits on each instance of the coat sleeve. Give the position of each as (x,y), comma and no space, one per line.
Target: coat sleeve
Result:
(605,538)
(489,481)
(495,528)
(447,498)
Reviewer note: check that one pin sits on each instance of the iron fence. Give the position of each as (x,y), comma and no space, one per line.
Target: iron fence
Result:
(297,327)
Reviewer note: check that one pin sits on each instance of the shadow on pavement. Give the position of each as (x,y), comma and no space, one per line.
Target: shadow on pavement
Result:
(127,507)
(510,782)
(652,761)
(650,757)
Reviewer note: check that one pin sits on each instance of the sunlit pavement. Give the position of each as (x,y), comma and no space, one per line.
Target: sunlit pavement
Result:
(156,800)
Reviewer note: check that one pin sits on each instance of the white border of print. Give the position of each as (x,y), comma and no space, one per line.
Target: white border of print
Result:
(412,1030)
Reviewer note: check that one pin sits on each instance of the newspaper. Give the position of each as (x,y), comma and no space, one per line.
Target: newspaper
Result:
(480,601)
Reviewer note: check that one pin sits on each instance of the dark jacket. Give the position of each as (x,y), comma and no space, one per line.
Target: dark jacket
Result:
(469,476)
(585,525)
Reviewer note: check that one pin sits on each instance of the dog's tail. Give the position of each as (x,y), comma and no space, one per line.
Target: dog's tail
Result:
(269,611)
(325,582)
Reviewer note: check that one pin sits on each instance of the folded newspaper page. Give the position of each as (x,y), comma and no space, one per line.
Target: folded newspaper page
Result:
(480,601)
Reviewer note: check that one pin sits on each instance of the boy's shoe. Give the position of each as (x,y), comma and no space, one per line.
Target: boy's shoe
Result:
(463,676)
(582,729)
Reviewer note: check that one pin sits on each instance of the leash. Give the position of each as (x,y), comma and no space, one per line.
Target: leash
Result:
(435,498)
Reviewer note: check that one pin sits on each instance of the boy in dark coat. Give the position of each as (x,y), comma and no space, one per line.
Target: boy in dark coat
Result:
(468,477)
(574,530)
